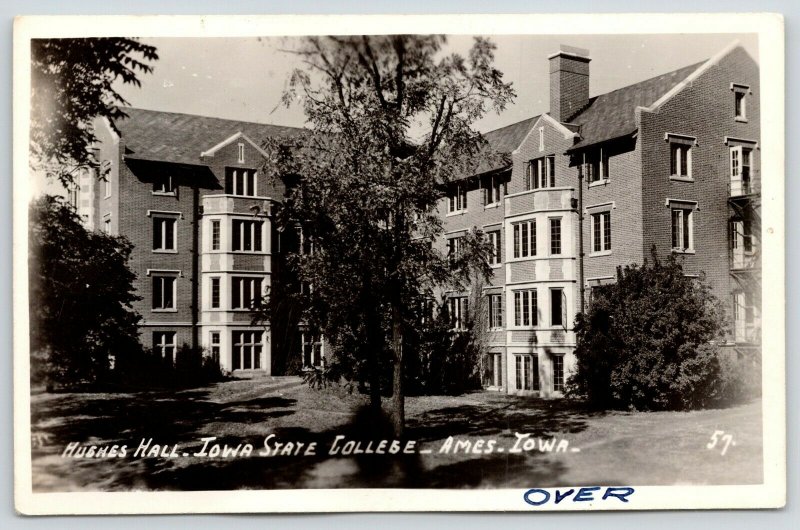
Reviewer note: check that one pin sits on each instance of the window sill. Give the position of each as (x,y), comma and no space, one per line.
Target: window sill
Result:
(680,178)
(740,119)
(600,253)
(164,310)
(248,252)
(495,265)
(495,330)
(683,251)
(453,214)
(492,205)
(164,193)
(164,251)
(603,182)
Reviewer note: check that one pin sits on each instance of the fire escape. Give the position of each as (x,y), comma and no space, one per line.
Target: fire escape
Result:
(744,248)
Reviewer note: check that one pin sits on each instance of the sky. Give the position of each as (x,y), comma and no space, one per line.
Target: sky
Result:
(243,78)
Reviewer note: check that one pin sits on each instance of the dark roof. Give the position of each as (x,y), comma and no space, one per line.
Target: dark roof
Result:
(605,117)
(613,114)
(180,138)
(503,141)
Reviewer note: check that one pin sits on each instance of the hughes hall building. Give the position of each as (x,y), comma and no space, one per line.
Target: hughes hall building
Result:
(672,162)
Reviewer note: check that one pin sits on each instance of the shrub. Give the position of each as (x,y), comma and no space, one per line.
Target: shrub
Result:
(650,342)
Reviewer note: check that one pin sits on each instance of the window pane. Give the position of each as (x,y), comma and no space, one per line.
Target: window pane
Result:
(596,233)
(555,236)
(158,300)
(686,228)
(525,239)
(237,234)
(157,232)
(676,228)
(534,308)
(556,306)
(169,287)
(169,234)
(517,240)
(607,230)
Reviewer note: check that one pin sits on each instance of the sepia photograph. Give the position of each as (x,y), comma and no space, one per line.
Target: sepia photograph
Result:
(464,262)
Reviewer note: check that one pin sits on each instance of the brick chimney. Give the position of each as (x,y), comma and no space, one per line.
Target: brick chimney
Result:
(569,81)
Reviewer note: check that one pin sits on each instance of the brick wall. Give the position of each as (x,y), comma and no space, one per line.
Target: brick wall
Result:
(705,110)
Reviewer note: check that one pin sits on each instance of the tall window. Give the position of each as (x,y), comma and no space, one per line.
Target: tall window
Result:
(680,160)
(215,346)
(457,197)
(215,290)
(492,190)
(454,249)
(494,240)
(247,347)
(164,233)
(558,373)
(556,307)
(541,173)
(601,232)
(740,170)
(525,239)
(740,101)
(246,235)
(555,236)
(597,166)
(244,290)
(163,292)
(107,186)
(241,153)
(240,181)
(312,350)
(164,185)
(682,221)
(107,225)
(526,311)
(495,311)
(492,370)
(458,306)
(527,372)
(73,192)
(215,234)
(164,344)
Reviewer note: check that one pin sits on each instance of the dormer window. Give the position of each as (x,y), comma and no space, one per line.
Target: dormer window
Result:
(164,185)
(240,181)
(740,101)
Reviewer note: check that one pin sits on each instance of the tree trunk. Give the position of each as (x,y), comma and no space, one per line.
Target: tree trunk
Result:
(374,346)
(398,397)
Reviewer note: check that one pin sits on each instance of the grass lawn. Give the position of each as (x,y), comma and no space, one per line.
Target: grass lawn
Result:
(618,448)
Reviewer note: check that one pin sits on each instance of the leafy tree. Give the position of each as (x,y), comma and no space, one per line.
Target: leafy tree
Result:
(649,341)
(72,83)
(390,128)
(81,291)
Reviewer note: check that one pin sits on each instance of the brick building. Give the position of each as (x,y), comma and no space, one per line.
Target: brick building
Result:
(594,183)
(597,182)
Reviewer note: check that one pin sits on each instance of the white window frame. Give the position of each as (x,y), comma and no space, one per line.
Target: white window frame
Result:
(159,306)
(162,344)
(457,198)
(163,244)
(246,192)
(494,192)
(496,241)
(215,230)
(743,91)
(558,293)
(107,224)
(522,238)
(168,190)
(247,339)
(247,234)
(599,159)
(526,303)
(550,238)
(211,302)
(528,376)
(541,138)
(685,225)
(496,361)
(598,225)
(215,346)
(311,342)
(249,288)
(558,360)
(495,312)
(240,151)
(457,307)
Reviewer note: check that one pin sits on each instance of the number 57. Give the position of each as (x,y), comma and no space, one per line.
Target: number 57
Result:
(720,436)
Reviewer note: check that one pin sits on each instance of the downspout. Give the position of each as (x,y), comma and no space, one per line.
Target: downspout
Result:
(195,265)
(580,231)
